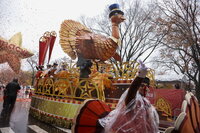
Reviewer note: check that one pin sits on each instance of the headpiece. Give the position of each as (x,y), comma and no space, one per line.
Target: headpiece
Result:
(114,8)
(55,64)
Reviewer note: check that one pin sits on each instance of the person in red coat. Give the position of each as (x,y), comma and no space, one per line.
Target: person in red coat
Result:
(38,75)
(39,72)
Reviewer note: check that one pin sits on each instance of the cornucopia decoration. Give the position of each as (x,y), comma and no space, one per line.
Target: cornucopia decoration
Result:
(46,42)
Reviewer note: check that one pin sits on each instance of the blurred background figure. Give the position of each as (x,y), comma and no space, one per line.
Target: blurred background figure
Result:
(177,86)
(10,96)
(27,93)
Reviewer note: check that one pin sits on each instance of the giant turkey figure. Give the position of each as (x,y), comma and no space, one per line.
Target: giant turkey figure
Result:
(78,41)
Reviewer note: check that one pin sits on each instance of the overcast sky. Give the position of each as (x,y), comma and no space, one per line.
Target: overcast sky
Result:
(33,17)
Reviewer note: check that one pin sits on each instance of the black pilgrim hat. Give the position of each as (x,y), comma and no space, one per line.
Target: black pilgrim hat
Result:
(40,67)
(114,8)
(48,65)
(55,64)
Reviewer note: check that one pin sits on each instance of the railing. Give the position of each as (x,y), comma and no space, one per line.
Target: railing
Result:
(70,88)
(163,106)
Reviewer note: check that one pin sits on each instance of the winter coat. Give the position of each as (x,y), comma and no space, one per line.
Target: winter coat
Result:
(12,88)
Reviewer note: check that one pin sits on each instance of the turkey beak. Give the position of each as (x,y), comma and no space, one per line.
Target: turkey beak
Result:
(123,18)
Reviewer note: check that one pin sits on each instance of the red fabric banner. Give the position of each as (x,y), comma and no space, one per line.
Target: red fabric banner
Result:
(173,97)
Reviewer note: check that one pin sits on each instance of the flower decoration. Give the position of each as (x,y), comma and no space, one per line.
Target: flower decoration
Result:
(12,52)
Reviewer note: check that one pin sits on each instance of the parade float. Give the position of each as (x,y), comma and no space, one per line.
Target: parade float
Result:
(57,99)
(59,96)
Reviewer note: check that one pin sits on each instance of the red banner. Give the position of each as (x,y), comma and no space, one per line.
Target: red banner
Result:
(171,98)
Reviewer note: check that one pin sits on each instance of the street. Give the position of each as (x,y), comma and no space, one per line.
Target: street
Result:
(21,122)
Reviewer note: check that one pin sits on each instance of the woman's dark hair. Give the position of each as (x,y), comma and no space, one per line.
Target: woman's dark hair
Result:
(15,80)
(146,80)
(177,86)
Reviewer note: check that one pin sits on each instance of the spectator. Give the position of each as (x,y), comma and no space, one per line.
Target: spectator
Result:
(133,113)
(30,93)
(144,87)
(10,96)
(26,93)
(177,86)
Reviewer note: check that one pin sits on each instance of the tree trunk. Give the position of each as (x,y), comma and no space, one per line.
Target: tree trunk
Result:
(198,92)
(33,79)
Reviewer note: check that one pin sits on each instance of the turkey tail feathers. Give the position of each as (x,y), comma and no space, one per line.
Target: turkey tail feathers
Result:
(68,33)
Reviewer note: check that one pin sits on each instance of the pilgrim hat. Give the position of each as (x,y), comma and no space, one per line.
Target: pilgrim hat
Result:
(114,8)
(48,65)
(41,67)
(55,64)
